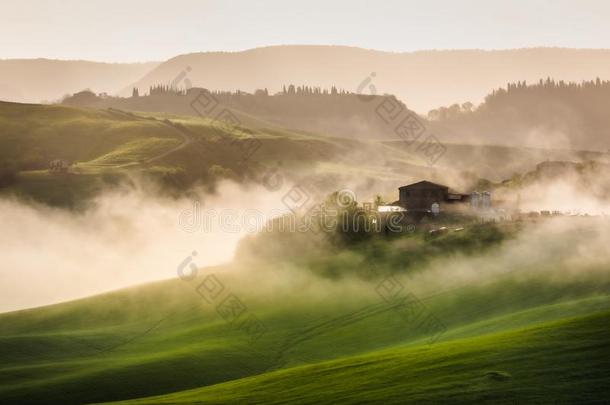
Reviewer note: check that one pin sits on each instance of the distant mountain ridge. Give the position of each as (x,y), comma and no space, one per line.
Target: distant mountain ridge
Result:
(37,80)
(423,79)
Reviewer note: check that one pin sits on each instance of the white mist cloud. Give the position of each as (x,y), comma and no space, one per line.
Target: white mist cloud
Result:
(129,236)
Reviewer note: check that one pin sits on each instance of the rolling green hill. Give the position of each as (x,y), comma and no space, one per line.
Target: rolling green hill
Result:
(471,305)
(32,135)
(324,111)
(180,151)
(102,145)
(162,338)
(555,362)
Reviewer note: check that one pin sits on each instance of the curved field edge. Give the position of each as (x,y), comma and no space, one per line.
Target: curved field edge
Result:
(556,362)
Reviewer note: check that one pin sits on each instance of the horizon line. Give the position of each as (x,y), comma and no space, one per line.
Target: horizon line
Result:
(429,50)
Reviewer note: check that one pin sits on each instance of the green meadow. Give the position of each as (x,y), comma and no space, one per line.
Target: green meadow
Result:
(512,337)
(490,313)
(105,147)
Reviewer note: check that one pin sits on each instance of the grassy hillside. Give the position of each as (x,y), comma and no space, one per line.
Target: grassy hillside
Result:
(103,145)
(165,337)
(322,111)
(97,143)
(507,368)
(103,352)
(180,151)
(32,135)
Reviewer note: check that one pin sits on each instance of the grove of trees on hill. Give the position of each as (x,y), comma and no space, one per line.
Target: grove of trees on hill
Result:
(332,111)
(546,113)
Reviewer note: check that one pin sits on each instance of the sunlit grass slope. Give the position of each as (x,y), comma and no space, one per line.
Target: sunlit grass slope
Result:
(184,150)
(32,135)
(563,361)
(101,144)
(164,337)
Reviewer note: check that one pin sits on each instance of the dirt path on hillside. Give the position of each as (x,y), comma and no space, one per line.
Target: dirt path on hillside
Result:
(187,138)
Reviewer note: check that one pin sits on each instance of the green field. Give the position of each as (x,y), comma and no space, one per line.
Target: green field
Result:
(127,345)
(179,152)
(104,146)
(513,337)
(507,368)
(489,314)
(33,135)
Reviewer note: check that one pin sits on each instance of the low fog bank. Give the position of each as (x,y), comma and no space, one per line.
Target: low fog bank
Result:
(566,253)
(131,235)
(557,250)
(550,262)
(562,186)
(128,236)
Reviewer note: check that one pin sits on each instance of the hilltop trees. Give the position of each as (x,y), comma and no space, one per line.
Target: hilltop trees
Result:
(451,112)
(165,89)
(287,90)
(546,112)
(81,98)
(590,95)
(293,90)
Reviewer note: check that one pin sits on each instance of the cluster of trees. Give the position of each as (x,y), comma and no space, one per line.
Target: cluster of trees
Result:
(287,90)
(291,89)
(238,93)
(163,89)
(83,97)
(309,90)
(588,94)
(547,112)
(451,112)
(549,88)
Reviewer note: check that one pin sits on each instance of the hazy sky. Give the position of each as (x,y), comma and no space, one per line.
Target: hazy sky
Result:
(143,30)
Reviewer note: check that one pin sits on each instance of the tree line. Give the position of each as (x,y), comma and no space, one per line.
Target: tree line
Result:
(587,94)
(287,90)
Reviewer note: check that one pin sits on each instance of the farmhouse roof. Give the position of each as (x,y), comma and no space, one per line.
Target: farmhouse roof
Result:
(424,182)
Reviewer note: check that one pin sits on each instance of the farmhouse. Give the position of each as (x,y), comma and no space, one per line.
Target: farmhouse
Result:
(420,196)
(58,166)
